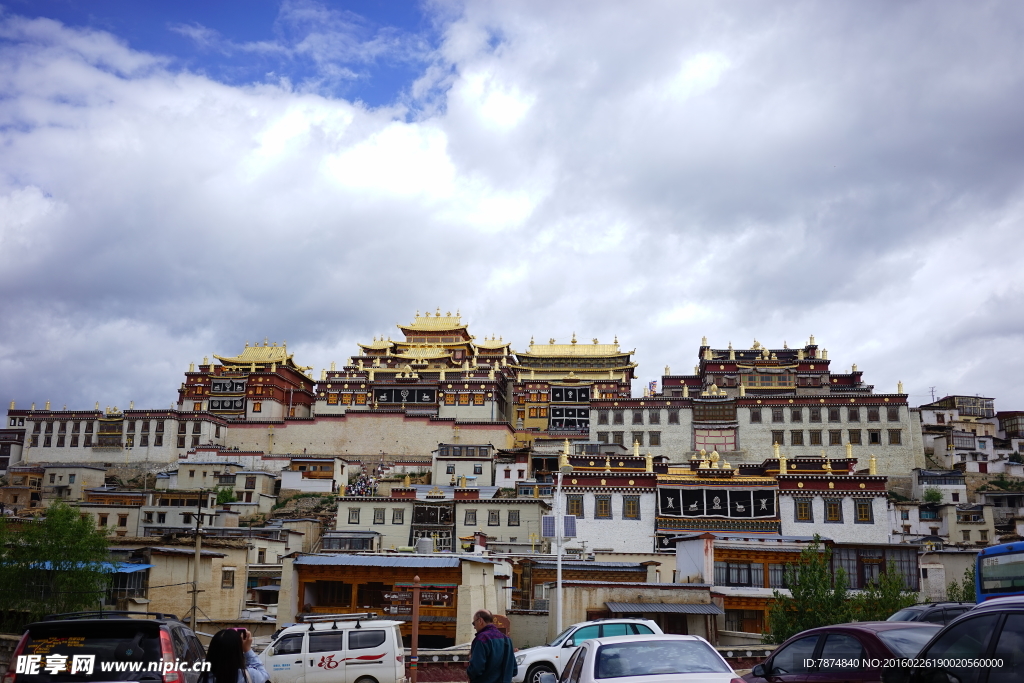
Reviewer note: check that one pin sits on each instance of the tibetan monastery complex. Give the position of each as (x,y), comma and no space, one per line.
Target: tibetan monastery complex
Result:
(438,384)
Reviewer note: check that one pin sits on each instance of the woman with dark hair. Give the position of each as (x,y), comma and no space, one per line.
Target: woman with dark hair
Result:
(232,660)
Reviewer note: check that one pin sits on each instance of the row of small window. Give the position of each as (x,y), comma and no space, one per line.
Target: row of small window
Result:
(469,451)
(477,469)
(76,426)
(603,506)
(470,518)
(804,511)
(451,399)
(835,437)
(618,417)
(834,414)
(749,574)
(653,438)
(87,442)
(346,399)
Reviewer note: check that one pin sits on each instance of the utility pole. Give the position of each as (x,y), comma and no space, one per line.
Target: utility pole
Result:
(933,394)
(195,563)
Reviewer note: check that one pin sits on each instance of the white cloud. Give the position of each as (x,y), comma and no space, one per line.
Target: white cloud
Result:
(660,172)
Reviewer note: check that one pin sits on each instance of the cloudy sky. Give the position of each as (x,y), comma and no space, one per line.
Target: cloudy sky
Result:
(178,178)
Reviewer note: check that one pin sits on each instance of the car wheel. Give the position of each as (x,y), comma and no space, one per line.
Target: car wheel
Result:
(366,679)
(533,675)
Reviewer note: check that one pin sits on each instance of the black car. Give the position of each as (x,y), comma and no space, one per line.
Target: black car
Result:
(89,647)
(984,645)
(932,612)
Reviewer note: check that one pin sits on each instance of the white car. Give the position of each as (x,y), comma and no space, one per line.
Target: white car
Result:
(551,658)
(356,651)
(646,659)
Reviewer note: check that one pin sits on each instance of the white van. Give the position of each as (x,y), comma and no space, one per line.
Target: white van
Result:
(346,650)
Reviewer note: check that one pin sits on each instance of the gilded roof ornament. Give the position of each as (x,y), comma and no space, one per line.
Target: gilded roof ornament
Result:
(703,341)
(811,342)
(899,387)
(573,337)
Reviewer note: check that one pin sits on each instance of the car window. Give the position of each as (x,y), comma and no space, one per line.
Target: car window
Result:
(959,644)
(905,615)
(585,633)
(106,642)
(608,630)
(907,642)
(844,648)
(1010,649)
(641,629)
(935,616)
(328,641)
(790,659)
(289,645)
(657,657)
(953,612)
(577,666)
(180,648)
(567,671)
(362,639)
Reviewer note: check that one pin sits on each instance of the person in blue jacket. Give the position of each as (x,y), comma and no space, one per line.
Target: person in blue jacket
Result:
(491,656)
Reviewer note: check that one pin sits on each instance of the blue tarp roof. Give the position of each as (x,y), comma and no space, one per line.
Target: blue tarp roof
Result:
(110,567)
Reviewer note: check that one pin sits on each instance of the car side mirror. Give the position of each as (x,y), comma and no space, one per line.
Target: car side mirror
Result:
(547,678)
(270,652)
(569,643)
(760,671)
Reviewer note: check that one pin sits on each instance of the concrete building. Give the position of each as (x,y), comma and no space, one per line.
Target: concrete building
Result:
(68,482)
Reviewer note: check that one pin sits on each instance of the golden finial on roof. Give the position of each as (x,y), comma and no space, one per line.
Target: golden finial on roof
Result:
(323,375)
(616,339)
(899,387)
(854,369)
(551,341)
(246,343)
(97,405)
(418,313)
(573,337)
(594,340)
(608,463)
(824,354)
(756,345)
(252,367)
(849,451)
(531,340)
(811,342)
(726,465)
(266,341)
(703,341)
(668,370)
(828,465)
(191,367)
(438,314)
(775,449)
(636,448)
(649,462)
(273,366)
(743,390)
(872,465)
(47,406)
(333,365)
(714,459)
(782,463)
(12,405)
(206,360)
(785,345)
(686,391)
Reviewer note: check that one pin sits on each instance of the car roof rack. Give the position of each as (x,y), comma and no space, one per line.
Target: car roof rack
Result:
(321,618)
(107,614)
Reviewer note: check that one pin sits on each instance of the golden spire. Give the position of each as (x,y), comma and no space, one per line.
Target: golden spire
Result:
(872,466)
(899,387)
(636,448)
(782,462)
(608,463)
(775,449)
(649,465)
(703,341)
(849,451)
(573,337)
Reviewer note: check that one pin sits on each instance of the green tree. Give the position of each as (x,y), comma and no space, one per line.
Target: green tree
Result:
(819,598)
(225,495)
(52,565)
(962,591)
(883,597)
(932,495)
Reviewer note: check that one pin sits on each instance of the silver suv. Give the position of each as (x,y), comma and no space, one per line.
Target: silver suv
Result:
(551,658)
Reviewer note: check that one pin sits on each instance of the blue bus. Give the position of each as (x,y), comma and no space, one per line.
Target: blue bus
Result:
(999,571)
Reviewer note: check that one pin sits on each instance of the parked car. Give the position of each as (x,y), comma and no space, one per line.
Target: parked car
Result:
(348,649)
(131,641)
(551,658)
(984,645)
(645,659)
(838,653)
(932,613)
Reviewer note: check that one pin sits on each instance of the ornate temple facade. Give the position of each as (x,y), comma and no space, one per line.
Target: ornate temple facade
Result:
(742,402)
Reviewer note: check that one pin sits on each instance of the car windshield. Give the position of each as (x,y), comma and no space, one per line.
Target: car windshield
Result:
(561,636)
(63,648)
(651,657)
(907,642)
(909,614)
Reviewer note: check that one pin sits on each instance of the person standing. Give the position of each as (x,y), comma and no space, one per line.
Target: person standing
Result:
(491,656)
(232,660)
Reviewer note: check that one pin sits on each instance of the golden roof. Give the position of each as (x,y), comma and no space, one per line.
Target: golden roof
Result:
(435,323)
(492,344)
(378,344)
(264,354)
(422,352)
(573,349)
